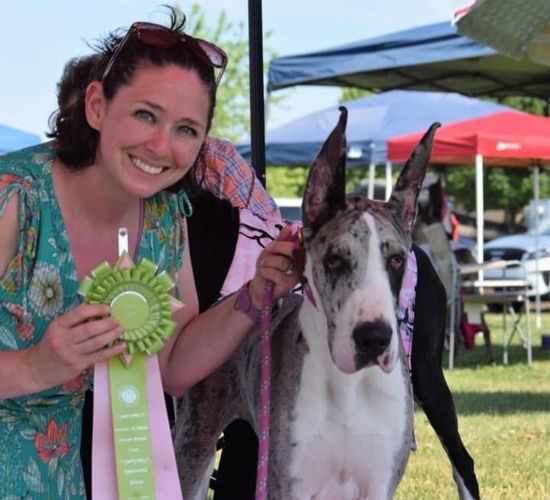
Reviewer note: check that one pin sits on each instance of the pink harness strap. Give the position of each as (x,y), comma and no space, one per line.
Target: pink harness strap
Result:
(405,317)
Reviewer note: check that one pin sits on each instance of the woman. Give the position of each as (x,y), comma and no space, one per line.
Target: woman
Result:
(122,157)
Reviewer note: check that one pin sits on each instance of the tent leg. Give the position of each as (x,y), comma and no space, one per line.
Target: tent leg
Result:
(479,212)
(536,186)
(388,180)
(370,187)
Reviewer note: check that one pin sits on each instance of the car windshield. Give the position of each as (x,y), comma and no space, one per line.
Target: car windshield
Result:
(544,227)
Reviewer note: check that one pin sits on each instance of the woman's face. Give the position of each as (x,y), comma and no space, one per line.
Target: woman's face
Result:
(152,130)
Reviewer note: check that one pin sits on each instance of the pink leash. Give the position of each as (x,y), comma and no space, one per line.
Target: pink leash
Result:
(298,258)
(265,390)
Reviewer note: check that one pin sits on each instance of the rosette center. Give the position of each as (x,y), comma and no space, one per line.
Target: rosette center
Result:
(130,309)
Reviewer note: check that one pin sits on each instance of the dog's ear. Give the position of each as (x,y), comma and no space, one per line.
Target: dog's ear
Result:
(325,191)
(404,195)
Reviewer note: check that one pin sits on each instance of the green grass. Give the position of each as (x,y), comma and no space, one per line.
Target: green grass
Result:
(504,420)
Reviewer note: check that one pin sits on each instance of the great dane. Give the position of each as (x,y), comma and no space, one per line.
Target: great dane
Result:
(341,412)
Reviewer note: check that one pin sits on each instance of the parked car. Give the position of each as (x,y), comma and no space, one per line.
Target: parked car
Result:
(523,248)
(291,208)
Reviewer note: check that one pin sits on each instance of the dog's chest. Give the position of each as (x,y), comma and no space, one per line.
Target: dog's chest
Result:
(348,431)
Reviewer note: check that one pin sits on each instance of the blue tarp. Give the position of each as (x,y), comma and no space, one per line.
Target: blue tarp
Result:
(433,57)
(372,121)
(12,139)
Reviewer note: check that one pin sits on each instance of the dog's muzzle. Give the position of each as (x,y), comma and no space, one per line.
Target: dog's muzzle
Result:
(372,340)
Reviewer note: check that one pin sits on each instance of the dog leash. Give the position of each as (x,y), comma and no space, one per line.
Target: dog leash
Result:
(298,260)
(265,392)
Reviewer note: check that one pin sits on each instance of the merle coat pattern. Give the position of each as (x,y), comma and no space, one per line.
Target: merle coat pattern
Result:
(349,243)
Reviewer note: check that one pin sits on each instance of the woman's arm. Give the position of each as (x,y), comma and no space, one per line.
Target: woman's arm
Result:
(70,344)
(206,341)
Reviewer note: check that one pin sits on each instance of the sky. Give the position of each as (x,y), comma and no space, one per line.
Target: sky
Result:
(37,37)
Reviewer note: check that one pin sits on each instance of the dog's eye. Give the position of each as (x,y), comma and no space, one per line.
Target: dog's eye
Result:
(333,263)
(396,262)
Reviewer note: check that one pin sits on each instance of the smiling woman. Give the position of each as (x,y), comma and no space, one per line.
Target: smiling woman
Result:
(130,147)
(148,145)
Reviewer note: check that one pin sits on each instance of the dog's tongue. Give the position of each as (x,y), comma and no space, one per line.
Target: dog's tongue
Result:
(384,362)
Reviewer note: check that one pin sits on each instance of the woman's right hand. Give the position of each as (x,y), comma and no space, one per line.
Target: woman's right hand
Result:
(73,342)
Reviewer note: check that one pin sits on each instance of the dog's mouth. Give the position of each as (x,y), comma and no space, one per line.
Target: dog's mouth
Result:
(386,361)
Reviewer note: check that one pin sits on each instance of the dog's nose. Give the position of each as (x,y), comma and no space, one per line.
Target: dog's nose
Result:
(371,339)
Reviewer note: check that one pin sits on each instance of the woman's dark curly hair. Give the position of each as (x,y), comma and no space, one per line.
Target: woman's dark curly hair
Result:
(76,141)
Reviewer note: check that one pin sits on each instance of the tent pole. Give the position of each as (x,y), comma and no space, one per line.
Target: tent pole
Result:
(370,187)
(388,180)
(256,68)
(536,189)
(479,212)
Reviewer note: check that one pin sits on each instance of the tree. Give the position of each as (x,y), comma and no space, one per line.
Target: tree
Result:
(231,118)
(352,93)
(232,115)
(507,189)
(290,181)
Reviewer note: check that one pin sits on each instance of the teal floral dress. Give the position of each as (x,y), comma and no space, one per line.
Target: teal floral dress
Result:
(40,433)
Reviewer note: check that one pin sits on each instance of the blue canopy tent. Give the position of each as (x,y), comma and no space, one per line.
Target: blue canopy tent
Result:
(12,139)
(433,57)
(372,120)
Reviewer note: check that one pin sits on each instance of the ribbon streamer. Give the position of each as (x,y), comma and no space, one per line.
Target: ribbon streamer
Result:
(143,455)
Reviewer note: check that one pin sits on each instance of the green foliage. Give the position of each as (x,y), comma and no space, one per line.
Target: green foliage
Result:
(528,104)
(352,93)
(509,189)
(290,181)
(232,115)
(286,181)
(231,119)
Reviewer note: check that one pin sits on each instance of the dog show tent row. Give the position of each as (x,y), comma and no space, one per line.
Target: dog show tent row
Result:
(506,139)
(433,57)
(12,139)
(372,120)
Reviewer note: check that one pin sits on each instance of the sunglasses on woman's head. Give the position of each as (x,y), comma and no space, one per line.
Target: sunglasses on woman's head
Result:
(156,35)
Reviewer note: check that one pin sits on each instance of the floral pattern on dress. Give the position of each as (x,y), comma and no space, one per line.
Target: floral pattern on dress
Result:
(40,433)
(53,443)
(24,324)
(46,293)
(13,276)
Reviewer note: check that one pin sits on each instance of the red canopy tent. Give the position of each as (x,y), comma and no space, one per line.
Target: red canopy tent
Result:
(504,139)
(508,138)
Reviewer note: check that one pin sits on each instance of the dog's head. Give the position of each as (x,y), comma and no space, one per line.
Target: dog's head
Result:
(357,253)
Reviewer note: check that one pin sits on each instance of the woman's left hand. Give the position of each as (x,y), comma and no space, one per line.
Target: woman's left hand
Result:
(275,264)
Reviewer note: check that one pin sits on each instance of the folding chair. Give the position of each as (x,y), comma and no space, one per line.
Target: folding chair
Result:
(508,294)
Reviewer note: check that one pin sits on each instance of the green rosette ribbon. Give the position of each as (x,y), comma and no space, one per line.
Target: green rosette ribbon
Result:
(140,302)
